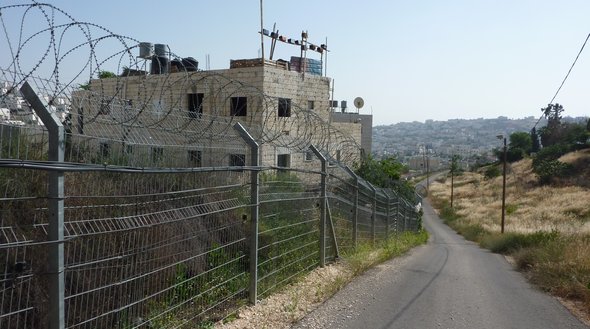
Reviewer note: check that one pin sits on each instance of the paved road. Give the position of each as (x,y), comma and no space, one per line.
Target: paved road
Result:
(448,283)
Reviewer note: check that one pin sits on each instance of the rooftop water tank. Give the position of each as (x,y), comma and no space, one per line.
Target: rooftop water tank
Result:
(160,50)
(190,64)
(160,65)
(146,50)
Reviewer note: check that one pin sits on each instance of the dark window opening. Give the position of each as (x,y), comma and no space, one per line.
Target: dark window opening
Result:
(157,154)
(310,105)
(195,158)
(284,107)
(105,107)
(195,105)
(284,160)
(105,149)
(237,160)
(239,106)
(129,149)
(308,155)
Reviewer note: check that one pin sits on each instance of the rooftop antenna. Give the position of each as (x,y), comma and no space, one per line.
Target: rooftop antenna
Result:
(261,32)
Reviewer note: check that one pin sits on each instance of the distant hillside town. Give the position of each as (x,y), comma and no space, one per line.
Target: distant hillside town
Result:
(473,140)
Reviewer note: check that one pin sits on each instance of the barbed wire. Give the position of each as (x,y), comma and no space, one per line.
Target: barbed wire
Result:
(135,107)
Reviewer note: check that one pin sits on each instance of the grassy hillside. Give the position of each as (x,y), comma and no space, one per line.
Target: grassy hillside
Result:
(547,226)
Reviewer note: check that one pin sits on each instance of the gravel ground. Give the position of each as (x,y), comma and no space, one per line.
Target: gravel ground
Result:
(296,306)
(348,302)
(284,308)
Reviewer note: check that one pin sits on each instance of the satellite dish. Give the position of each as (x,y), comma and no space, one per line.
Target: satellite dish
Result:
(359,103)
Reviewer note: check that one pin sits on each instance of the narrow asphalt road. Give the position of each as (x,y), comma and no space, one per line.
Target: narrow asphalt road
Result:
(448,283)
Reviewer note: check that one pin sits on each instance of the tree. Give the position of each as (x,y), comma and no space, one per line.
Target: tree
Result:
(385,173)
(551,134)
(106,75)
(381,173)
(535,147)
(520,145)
(521,140)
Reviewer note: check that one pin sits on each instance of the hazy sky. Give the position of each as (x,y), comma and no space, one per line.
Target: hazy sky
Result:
(409,60)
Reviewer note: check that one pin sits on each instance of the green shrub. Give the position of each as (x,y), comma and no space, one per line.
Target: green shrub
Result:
(492,172)
(448,213)
(472,232)
(511,242)
(511,208)
(551,168)
(549,153)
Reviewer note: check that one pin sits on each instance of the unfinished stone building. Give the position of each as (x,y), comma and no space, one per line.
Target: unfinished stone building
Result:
(185,117)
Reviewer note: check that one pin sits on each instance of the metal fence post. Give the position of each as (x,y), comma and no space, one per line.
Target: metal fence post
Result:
(388,205)
(324,197)
(405,216)
(374,212)
(254,210)
(55,233)
(355,209)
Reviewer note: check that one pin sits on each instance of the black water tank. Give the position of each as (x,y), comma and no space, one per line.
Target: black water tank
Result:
(176,65)
(160,65)
(190,64)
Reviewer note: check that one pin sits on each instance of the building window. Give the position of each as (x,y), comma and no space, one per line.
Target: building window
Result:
(284,160)
(284,107)
(309,155)
(195,158)
(237,160)
(338,155)
(239,106)
(158,107)
(105,107)
(105,149)
(195,105)
(310,105)
(157,154)
(129,149)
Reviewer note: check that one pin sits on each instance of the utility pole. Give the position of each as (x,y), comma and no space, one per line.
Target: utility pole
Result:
(503,186)
(427,173)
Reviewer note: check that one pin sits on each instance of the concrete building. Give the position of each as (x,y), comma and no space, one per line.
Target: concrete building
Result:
(284,109)
(343,120)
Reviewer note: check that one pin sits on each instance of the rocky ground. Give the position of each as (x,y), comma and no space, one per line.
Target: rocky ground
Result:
(284,308)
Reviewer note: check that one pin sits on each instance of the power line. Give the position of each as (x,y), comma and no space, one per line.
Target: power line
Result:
(566,76)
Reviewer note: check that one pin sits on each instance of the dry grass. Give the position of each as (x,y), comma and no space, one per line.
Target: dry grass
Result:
(530,208)
(548,227)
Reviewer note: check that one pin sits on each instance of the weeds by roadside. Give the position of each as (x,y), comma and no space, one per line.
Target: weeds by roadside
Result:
(283,308)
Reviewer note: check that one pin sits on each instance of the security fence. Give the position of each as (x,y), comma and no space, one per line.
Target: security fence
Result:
(124,204)
(90,245)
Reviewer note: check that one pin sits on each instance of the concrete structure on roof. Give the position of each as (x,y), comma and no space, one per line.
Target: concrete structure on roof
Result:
(344,120)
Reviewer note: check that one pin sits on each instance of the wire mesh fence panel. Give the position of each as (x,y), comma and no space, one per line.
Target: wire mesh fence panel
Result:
(341,199)
(288,228)
(156,249)
(381,220)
